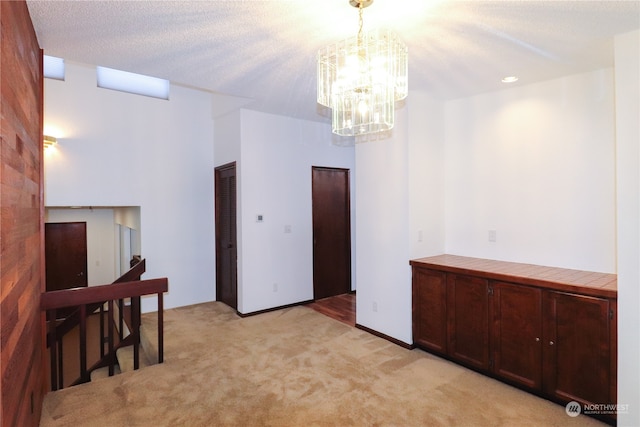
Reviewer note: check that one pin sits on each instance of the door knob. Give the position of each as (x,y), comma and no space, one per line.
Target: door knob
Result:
(551,343)
(537,339)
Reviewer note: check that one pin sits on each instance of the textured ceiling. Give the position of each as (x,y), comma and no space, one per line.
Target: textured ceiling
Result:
(265,50)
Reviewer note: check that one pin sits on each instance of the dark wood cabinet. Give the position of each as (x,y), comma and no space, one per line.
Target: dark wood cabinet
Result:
(429,310)
(577,347)
(548,330)
(468,320)
(516,333)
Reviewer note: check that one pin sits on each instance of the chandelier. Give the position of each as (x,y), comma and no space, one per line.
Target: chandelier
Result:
(361,78)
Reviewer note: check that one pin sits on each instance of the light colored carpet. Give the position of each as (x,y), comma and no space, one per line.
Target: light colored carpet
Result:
(294,367)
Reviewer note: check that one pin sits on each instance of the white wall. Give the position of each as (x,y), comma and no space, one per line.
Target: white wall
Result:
(277,154)
(426,142)
(119,149)
(227,138)
(129,216)
(400,204)
(101,262)
(627,58)
(536,164)
(383,300)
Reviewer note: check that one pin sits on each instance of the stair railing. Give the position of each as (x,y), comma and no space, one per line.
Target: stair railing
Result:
(90,299)
(73,320)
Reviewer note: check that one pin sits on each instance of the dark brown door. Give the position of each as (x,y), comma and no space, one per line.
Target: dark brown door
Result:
(65,255)
(65,251)
(430,309)
(331,232)
(468,313)
(517,333)
(576,347)
(226,241)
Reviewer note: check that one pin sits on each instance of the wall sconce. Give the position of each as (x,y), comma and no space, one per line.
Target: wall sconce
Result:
(49,141)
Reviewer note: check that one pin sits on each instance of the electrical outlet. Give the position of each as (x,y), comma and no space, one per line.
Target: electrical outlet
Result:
(275,287)
(492,235)
(375,307)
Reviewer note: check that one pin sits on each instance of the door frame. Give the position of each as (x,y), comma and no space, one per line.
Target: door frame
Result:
(347,234)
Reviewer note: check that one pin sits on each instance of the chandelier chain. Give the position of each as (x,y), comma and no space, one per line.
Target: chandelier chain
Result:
(360,20)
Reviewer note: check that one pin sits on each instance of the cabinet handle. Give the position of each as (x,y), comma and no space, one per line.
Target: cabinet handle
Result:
(537,339)
(551,343)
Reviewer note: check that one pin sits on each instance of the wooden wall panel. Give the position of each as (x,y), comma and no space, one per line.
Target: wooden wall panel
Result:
(22,370)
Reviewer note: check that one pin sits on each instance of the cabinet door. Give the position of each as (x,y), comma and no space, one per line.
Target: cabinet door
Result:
(430,309)
(613,350)
(576,347)
(516,333)
(468,320)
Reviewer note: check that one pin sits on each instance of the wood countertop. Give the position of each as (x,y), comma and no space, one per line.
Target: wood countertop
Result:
(560,279)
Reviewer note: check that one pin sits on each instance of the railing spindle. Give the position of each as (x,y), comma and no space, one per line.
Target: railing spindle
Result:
(60,363)
(53,350)
(102,331)
(135,319)
(83,342)
(160,328)
(121,318)
(110,320)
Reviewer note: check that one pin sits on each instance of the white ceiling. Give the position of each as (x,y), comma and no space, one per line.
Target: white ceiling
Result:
(265,50)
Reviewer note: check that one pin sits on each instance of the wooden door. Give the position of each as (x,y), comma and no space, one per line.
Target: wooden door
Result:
(516,338)
(226,240)
(430,309)
(468,320)
(331,232)
(65,249)
(576,347)
(65,255)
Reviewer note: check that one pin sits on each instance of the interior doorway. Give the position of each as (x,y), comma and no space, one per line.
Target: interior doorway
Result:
(65,255)
(65,248)
(331,231)
(226,239)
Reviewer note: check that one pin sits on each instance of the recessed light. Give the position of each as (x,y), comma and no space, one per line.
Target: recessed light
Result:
(509,79)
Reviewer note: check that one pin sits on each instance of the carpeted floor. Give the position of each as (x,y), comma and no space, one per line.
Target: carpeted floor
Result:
(294,367)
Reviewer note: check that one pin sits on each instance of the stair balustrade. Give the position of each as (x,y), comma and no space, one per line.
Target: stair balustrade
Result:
(90,300)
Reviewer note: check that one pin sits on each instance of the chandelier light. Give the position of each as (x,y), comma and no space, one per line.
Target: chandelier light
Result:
(361,78)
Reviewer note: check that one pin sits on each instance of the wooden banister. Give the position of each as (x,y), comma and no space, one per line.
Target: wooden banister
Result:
(134,273)
(103,293)
(89,299)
